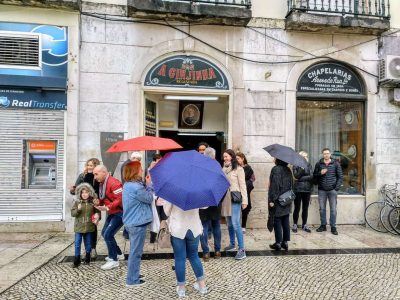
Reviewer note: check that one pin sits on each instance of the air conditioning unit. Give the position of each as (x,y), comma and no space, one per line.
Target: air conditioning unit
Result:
(389,71)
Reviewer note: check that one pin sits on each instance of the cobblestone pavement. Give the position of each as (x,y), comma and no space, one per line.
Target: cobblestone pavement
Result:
(361,276)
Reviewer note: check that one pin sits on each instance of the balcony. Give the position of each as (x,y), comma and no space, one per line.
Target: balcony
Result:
(339,16)
(229,12)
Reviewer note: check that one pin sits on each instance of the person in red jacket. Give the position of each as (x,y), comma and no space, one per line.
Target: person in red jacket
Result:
(110,200)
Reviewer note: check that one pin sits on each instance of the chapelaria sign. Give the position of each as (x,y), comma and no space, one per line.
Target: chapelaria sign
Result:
(187,72)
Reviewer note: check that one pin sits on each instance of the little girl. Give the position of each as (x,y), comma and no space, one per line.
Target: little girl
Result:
(86,217)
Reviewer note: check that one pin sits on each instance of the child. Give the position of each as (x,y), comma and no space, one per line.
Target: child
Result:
(86,217)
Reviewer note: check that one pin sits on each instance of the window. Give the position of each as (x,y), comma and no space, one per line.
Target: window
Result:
(338,125)
(21,50)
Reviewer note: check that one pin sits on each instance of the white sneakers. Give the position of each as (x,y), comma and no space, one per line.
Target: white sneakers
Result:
(119,257)
(110,265)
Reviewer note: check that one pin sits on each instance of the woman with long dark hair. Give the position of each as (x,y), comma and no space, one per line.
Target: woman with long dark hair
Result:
(234,201)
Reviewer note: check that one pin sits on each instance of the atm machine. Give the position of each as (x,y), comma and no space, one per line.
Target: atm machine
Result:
(41,165)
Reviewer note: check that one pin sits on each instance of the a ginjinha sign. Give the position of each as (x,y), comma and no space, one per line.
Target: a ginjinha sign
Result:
(330,78)
(16,98)
(187,72)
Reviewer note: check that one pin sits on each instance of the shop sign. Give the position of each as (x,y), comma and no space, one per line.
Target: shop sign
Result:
(327,79)
(16,98)
(42,146)
(107,139)
(184,71)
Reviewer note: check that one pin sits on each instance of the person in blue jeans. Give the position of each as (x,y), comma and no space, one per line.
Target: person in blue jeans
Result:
(185,228)
(230,209)
(136,199)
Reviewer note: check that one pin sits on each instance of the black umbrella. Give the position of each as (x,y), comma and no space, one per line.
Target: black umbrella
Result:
(287,154)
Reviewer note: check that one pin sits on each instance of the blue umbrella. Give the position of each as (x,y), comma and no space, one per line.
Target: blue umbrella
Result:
(189,180)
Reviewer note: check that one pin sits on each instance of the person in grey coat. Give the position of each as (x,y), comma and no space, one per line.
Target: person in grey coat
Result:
(280,181)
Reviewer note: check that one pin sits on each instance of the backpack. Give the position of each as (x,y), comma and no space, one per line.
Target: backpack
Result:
(164,236)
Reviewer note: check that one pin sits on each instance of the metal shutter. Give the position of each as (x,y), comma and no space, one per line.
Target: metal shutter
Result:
(17,204)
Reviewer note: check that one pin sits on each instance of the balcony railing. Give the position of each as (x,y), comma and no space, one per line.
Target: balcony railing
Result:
(245,3)
(365,8)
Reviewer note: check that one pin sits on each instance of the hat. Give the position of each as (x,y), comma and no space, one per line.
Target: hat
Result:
(85,186)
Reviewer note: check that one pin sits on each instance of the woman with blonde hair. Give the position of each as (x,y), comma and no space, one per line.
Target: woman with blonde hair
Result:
(302,188)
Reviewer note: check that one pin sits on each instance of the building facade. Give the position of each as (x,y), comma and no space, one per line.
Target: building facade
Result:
(235,75)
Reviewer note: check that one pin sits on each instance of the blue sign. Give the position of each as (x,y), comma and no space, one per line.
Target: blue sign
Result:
(54,65)
(15,98)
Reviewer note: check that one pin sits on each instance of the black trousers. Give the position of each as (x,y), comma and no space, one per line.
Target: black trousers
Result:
(246,211)
(302,199)
(282,229)
(93,240)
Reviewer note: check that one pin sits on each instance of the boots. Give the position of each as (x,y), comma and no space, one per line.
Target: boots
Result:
(77,261)
(87,259)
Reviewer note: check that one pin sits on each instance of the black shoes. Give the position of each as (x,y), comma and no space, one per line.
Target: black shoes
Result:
(321,228)
(87,259)
(285,246)
(275,246)
(334,231)
(77,261)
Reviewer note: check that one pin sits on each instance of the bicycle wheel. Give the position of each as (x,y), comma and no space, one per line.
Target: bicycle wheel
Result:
(372,216)
(385,218)
(394,219)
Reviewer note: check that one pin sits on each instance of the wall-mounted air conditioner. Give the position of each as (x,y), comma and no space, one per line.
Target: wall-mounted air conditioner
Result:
(389,71)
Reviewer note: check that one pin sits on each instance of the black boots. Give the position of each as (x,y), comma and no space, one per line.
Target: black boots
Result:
(87,259)
(275,246)
(77,261)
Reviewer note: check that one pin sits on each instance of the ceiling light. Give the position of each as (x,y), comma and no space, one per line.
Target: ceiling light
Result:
(191,98)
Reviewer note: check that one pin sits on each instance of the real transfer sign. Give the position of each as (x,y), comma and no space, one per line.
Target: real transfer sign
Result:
(17,98)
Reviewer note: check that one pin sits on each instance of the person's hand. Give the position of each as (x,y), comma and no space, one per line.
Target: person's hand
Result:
(96,219)
(96,201)
(271,204)
(102,208)
(72,189)
(79,206)
(244,206)
(148,179)
(323,171)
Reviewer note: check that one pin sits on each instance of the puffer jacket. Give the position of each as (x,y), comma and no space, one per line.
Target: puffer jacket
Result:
(280,181)
(304,177)
(83,217)
(333,178)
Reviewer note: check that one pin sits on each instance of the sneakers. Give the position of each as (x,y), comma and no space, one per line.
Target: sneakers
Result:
(294,229)
(202,290)
(141,282)
(321,228)
(306,229)
(206,257)
(243,230)
(230,248)
(217,255)
(110,265)
(285,246)
(334,231)
(119,257)
(77,261)
(93,254)
(275,246)
(241,254)
(181,292)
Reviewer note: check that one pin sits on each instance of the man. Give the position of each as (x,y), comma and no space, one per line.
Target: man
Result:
(110,200)
(329,174)
(202,147)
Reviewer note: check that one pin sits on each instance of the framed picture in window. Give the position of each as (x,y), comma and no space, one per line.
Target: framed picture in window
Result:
(191,114)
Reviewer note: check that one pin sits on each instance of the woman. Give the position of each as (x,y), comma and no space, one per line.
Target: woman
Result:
(88,177)
(231,210)
(302,188)
(137,214)
(185,228)
(250,178)
(280,181)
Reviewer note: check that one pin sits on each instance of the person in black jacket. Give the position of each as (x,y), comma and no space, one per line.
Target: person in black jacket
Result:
(280,181)
(329,175)
(302,189)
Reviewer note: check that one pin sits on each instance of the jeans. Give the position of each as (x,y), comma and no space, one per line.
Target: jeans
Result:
(87,238)
(234,226)
(125,234)
(302,199)
(322,198)
(137,236)
(282,229)
(187,248)
(215,226)
(111,226)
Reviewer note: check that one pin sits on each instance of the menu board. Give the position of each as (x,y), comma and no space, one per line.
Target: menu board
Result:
(150,128)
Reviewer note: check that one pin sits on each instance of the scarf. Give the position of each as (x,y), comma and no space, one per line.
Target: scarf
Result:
(227,168)
(102,189)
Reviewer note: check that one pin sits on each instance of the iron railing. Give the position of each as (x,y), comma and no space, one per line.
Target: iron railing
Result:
(367,8)
(245,3)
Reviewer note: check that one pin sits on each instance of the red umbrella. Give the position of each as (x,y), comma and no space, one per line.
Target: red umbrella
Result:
(143,143)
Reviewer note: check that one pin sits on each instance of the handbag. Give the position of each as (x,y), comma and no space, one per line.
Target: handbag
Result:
(164,236)
(236,197)
(286,198)
(155,224)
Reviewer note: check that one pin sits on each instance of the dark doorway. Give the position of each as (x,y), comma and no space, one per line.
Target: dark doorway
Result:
(190,141)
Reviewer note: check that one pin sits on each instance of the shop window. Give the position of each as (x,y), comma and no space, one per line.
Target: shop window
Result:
(338,125)
(39,164)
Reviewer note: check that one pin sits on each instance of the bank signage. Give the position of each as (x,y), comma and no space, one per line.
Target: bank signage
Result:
(327,79)
(16,98)
(184,71)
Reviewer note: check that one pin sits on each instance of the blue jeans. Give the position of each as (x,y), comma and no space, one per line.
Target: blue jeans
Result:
(234,226)
(111,226)
(215,227)
(187,248)
(137,236)
(322,199)
(87,239)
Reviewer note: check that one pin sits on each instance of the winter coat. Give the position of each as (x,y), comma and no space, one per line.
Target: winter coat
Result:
(88,178)
(237,181)
(333,178)
(112,197)
(83,217)
(280,181)
(304,177)
(137,199)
